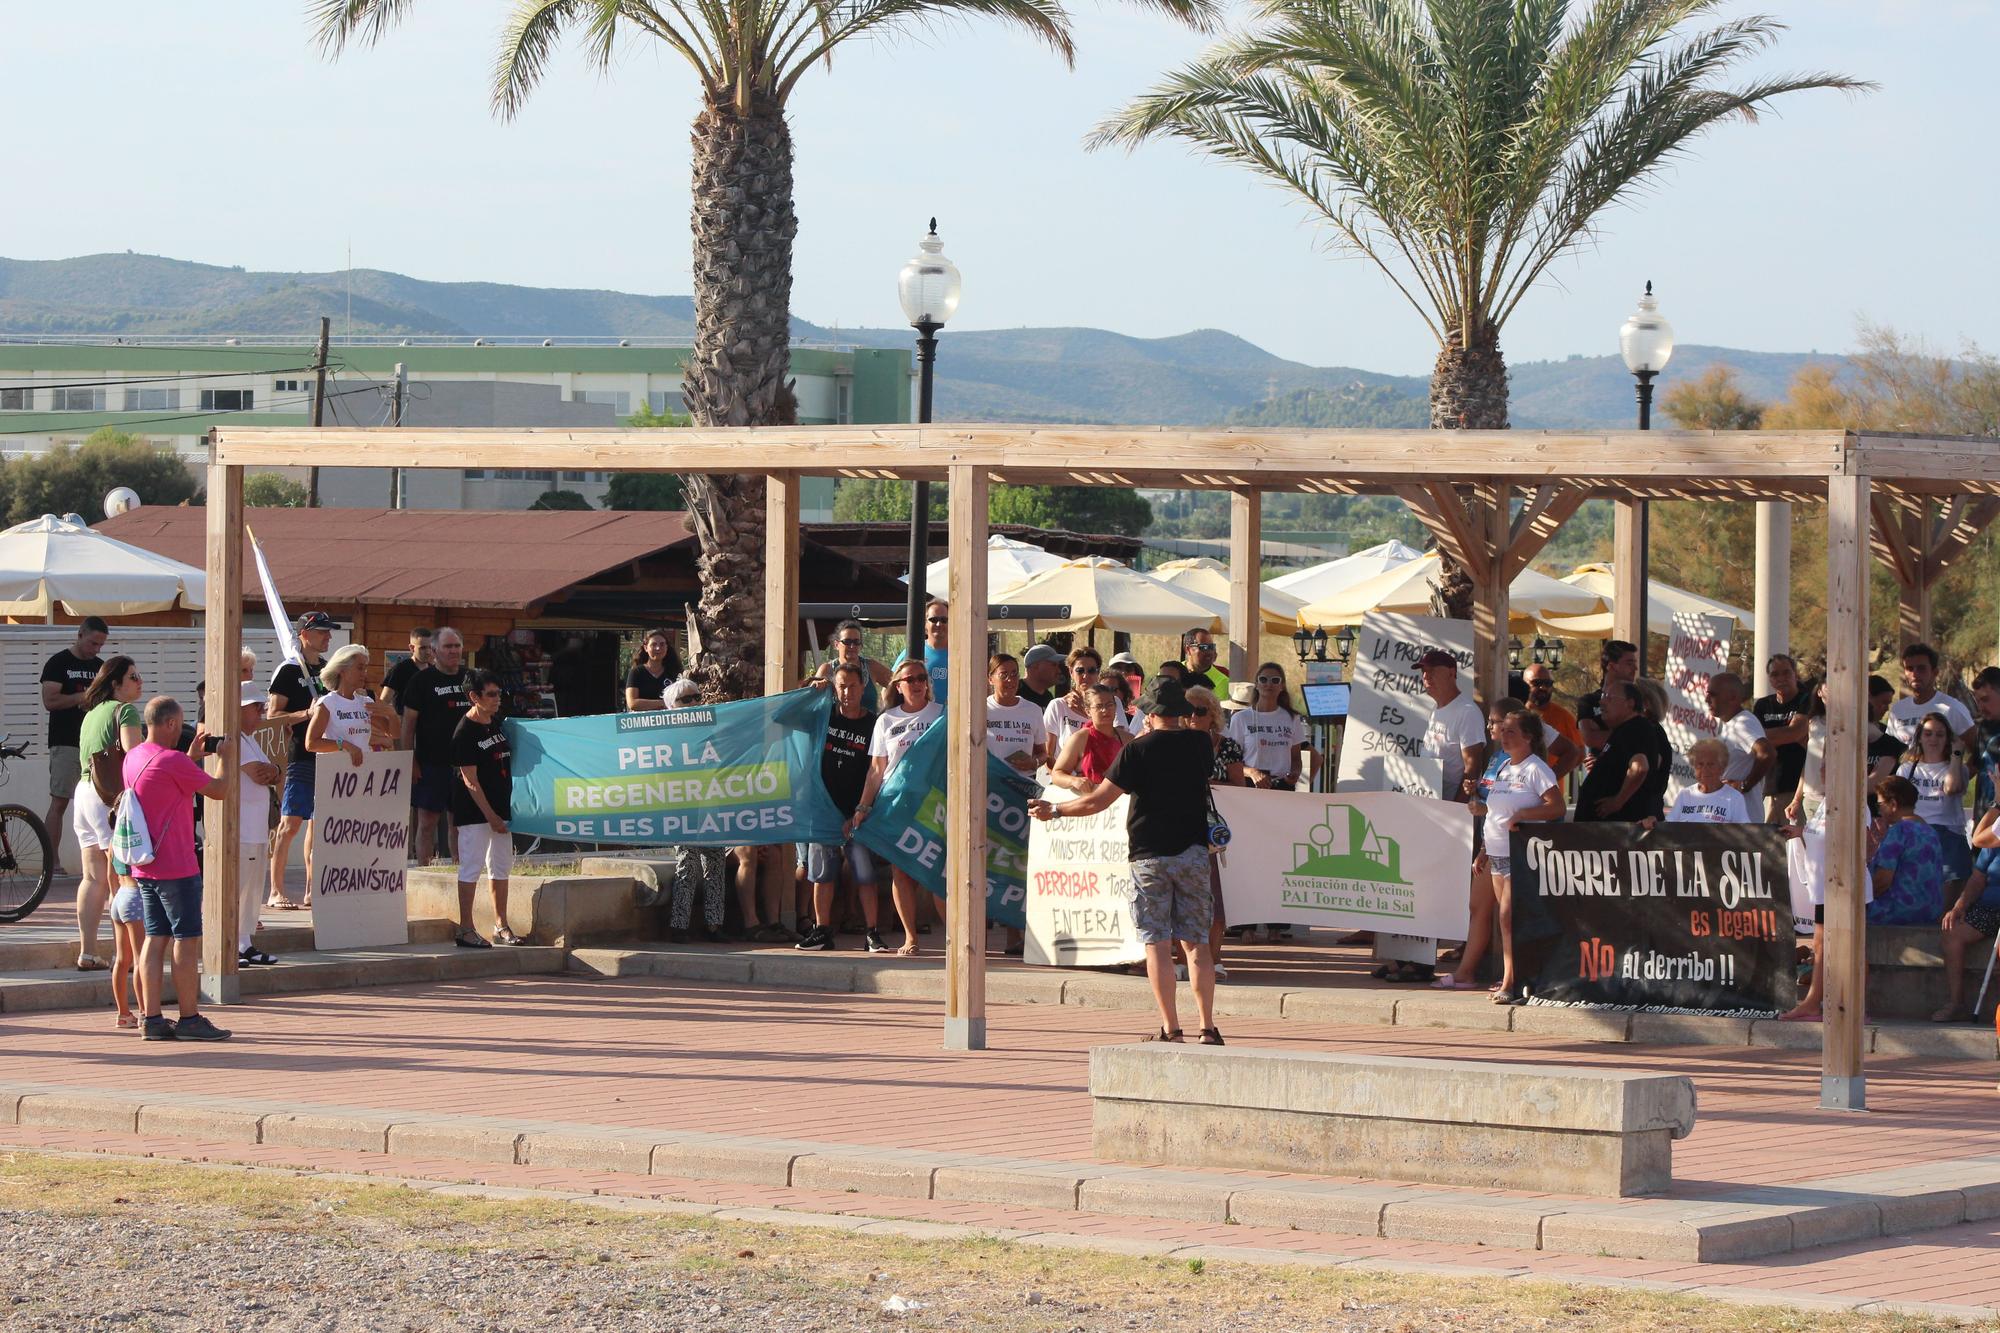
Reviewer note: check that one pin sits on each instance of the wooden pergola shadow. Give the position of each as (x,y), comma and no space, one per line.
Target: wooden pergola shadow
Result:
(1918,500)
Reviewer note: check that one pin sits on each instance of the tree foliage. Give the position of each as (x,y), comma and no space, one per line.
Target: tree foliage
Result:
(66,480)
(560,500)
(271,490)
(1095,509)
(1712,400)
(645,490)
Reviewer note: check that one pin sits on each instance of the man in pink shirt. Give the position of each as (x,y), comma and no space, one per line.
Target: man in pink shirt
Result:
(163,781)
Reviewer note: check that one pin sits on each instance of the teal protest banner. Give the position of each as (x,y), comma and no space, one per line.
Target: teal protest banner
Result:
(719,775)
(907,826)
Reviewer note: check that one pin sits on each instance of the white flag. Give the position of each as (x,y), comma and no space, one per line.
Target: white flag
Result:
(288,642)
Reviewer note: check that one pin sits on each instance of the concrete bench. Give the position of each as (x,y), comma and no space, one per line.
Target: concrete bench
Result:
(1454,1122)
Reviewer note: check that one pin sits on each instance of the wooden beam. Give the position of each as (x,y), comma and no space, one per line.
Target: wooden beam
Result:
(1489,600)
(1539,521)
(1246,566)
(1913,601)
(1963,524)
(1843,942)
(1437,506)
(1628,576)
(781,582)
(965,782)
(1887,538)
(222,651)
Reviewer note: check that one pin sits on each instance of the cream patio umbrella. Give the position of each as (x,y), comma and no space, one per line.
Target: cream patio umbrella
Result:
(1103,594)
(1316,583)
(1210,579)
(1533,599)
(1663,603)
(1008,564)
(53,560)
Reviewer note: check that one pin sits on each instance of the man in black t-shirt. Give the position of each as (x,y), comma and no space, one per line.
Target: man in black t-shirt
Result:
(1626,780)
(843,769)
(482,790)
(1041,675)
(1166,772)
(293,689)
(405,671)
(65,677)
(1782,713)
(433,704)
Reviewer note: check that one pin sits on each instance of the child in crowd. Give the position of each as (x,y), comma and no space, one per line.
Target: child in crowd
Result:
(129,932)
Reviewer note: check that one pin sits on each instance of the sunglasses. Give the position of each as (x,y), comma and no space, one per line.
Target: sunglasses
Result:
(924,681)
(1270,680)
(936,620)
(848,643)
(1199,711)
(1202,647)
(1085,671)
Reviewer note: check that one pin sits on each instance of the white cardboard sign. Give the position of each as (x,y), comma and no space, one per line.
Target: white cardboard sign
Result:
(361,818)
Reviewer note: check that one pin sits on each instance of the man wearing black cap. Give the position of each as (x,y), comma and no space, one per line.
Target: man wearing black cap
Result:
(1041,672)
(1166,772)
(293,690)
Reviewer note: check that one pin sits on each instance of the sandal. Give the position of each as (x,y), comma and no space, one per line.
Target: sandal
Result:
(1164,1034)
(1510,997)
(506,936)
(469,939)
(1450,982)
(1211,1036)
(90,962)
(128,1020)
(909,950)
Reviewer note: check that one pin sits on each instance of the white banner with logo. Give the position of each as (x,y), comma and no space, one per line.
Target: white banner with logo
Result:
(1080,889)
(1383,861)
(361,849)
(1388,709)
(1697,652)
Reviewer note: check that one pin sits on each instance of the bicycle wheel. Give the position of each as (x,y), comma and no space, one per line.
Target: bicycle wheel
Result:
(27,861)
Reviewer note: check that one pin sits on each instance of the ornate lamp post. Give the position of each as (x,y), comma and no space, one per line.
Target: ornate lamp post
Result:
(928,289)
(1647,342)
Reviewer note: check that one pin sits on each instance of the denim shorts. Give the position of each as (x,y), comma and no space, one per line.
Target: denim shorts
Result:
(823,862)
(297,800)
(432,789)
(126,905)
(172,906)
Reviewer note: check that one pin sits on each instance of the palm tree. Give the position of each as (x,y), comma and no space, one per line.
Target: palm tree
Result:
(1462,146)
(748,57)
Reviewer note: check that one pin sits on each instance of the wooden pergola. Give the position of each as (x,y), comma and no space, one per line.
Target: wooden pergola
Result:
(1883,490)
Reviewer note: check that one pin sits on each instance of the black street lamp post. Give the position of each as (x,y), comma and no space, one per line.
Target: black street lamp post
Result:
(1646,342)
(928,288)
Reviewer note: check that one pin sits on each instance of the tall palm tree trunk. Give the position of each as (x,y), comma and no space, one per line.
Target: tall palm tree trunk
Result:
(1468,392)
(739,372)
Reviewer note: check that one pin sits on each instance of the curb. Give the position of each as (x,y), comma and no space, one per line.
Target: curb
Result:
(1740,1224)
(861,1223)
(924,980)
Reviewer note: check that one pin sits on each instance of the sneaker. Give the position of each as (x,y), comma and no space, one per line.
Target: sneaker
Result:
(818,939)
(197,1028)
(1220,971)
(771,934)
(876,944)
(160,1028)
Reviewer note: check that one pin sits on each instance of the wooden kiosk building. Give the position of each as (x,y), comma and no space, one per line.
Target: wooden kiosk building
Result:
(1882,490)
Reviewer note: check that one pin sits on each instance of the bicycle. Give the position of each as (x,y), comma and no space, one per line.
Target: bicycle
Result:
(27,857)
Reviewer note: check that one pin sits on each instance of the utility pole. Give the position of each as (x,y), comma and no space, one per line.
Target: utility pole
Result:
(396,419)
(319,403)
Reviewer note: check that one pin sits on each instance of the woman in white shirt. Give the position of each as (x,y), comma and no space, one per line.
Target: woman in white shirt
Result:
(1935,771)
(900,726)
(339,718)
(1071,712)
(1523,790)
(1707,800)
(1271,733)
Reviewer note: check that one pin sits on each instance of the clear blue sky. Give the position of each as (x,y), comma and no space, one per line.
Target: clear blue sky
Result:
(215,132)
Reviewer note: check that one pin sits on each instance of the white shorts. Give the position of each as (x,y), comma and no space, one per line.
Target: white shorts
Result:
(479,847)
(89,817)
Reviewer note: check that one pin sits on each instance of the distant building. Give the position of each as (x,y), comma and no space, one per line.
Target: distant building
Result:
(171,391)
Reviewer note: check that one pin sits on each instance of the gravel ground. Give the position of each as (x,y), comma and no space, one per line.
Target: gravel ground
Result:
(97,1245)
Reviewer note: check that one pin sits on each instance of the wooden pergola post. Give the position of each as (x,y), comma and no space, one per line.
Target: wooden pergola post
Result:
(1918,548)
(1490,597)
(223,650)
(781,581)
(965,783)
(1246,568)
(1628,575)
(1842,1086)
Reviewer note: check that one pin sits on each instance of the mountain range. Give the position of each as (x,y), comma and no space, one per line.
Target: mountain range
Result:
(1205,377)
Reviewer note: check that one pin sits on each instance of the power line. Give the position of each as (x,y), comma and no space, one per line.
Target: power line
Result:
(184,416)
(157,379)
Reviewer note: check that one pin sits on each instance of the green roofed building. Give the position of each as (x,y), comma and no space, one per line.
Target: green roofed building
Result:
(56,389)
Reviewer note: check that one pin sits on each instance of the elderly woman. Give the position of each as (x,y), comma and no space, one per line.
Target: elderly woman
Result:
(339,720)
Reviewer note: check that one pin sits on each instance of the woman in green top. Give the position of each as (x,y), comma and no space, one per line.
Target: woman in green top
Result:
(109,718)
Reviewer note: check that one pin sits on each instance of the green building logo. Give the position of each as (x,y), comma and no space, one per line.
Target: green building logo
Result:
(1347,847)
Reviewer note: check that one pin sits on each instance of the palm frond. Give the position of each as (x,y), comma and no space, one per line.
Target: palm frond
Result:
(337,22)
(1046,20)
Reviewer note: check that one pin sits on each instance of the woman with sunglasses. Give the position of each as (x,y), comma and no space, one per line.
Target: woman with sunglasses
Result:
(481,806)
(901,725)
(1271,733)
(846,650)
(1087,755)
(1071,713)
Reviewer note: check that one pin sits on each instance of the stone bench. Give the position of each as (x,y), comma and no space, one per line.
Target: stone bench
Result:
(1547,1128)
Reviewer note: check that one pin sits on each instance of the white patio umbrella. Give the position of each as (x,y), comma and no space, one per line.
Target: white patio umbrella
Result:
(1316,583)
(1008,563)
(1103,594)
(1210,579)
(1663,603)
(50,560)
(1533,599)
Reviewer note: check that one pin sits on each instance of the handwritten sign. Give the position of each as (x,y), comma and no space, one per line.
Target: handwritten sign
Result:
(1697,652)
(1080,889)
(360,850)
(1388,710)
(1689,916)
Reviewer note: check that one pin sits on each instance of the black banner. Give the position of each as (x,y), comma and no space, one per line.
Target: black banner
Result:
(1688,916)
